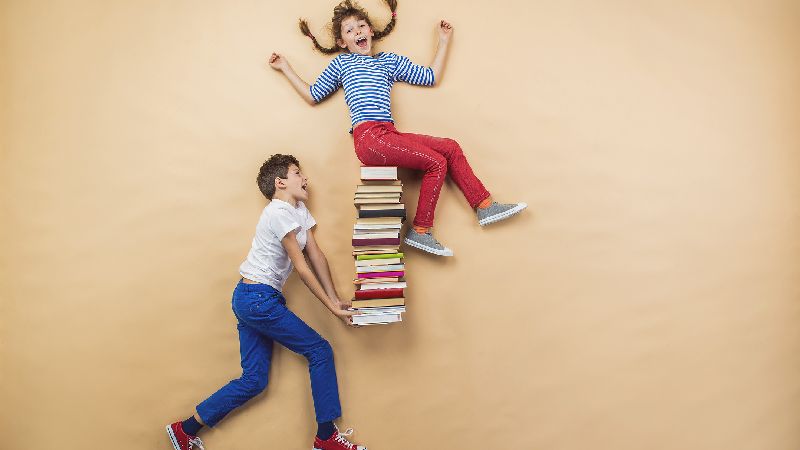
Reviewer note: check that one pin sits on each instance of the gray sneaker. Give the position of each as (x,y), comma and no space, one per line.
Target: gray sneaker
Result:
(498,211)
(426,242)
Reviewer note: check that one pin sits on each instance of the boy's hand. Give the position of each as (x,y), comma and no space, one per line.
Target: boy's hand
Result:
(445,30)
(278,62)
(343,304)
(346,317)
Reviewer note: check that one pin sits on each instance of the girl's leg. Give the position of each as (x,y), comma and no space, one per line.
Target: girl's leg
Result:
(256,353)
(382,145)
(457,166)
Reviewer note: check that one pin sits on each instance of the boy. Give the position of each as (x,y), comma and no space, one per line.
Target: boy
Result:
(282,234)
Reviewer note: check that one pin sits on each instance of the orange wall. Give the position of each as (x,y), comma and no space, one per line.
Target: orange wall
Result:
(648,299)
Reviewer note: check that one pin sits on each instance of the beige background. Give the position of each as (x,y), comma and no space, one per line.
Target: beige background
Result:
(648,299)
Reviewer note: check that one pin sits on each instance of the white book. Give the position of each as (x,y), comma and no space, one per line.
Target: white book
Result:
(376,319)
(371,286)
(386,268)
(368,226)
(389,195)
(376,235)
(394,231)
(378,262)
(378,173)
(381,310)
(383,206)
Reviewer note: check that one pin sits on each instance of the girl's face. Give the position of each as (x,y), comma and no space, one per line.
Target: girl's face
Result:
(356,36)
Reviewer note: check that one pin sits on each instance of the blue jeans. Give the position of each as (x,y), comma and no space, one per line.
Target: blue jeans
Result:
(264,318)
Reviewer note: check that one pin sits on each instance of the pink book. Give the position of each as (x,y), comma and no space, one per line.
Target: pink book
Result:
(380,274)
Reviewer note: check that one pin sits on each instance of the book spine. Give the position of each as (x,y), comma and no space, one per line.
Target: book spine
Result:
(380,274)
(379,293)
(365,214)
(368,242)
(386,256)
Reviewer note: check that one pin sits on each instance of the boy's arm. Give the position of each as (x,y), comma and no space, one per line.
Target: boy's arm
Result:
(445,31)
(279,62)
(319,263)
(289,242)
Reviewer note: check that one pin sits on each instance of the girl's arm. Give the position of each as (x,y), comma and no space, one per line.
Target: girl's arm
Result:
(279,62)
(320,265)
(289,242)
(445,32)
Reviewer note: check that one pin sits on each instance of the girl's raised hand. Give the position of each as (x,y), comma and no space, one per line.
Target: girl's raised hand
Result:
(445,30)
(278,62)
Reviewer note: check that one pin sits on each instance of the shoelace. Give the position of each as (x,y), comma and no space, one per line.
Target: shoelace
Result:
(196,441)
(340,437)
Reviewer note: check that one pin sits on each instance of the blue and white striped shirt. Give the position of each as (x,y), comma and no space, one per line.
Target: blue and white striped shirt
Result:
(367,82)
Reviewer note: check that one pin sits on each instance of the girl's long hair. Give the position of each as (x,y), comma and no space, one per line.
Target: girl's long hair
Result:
(343,10)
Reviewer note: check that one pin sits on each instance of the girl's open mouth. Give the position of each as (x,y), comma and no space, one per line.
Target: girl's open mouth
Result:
(362,42)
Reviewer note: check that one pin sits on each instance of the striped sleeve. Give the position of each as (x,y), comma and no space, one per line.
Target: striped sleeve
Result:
(411,73)
(328,82)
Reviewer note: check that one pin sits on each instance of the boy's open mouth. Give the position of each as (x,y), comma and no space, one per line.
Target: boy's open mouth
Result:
(361,42)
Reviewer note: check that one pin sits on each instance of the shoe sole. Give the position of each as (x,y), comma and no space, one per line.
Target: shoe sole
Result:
(503,215)
(173,438)
(425,248)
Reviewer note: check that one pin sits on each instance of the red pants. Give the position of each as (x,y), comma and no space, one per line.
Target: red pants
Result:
(380,144)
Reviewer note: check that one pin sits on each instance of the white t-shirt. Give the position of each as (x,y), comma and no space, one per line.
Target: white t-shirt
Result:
(267,262)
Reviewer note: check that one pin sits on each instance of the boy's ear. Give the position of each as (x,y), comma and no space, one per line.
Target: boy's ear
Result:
(280,183)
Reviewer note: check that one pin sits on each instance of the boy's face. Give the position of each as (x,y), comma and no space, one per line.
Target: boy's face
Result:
(356,36)
(295,183)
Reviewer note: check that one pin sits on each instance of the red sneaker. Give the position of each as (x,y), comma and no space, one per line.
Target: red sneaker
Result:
(181,440)
(337,441)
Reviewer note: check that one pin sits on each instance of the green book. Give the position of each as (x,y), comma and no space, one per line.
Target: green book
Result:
(383,256)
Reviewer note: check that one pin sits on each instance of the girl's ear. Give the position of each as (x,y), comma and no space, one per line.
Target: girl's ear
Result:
(341,43)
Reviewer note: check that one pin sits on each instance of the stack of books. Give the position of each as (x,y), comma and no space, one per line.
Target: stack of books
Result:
(379,263)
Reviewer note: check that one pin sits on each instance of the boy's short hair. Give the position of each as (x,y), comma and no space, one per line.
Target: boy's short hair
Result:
(277,166)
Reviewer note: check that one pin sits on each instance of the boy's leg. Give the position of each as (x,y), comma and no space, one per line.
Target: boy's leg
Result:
(272,319)
(383,146)
(256,353)
(457,166)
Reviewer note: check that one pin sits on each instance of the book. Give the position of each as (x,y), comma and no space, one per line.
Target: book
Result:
(396,293)
(378,194)
(385,268)
(381,241)
(370,201)
(378,221)
(377,226)
(382,206)
(377,262)
(375,250)
(395,231)
(379,189)
(381,310)
(370,213)
(359,281)
(366,286)
(376,319)
(376,235)
(379,256)
(380,274)
(378,302)
(378,173)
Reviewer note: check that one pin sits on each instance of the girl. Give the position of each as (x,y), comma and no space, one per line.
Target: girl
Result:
(367,79)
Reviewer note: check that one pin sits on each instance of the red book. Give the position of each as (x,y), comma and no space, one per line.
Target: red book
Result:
(379,293)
